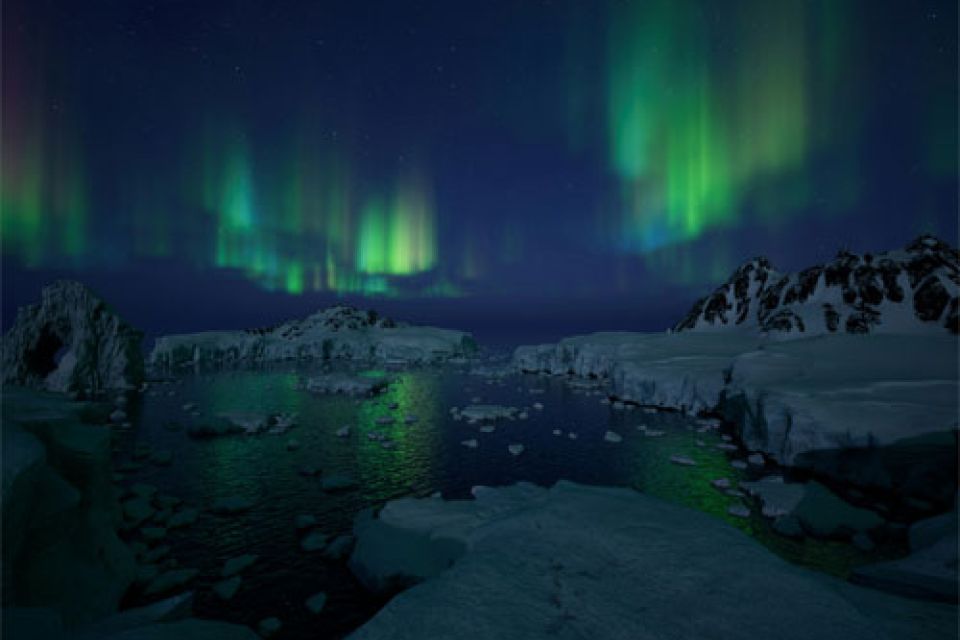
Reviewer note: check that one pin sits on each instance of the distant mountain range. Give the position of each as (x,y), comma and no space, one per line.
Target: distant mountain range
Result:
(909,290)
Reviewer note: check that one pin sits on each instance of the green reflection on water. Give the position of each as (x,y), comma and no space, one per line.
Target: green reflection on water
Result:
(410,464)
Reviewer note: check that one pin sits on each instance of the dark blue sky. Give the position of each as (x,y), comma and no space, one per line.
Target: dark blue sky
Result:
(528,168)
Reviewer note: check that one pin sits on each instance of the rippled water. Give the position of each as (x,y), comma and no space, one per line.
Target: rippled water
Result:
(428,457)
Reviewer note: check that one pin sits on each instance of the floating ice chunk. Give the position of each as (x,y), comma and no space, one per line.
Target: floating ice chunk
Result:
(612,436)
(739,511)
(338,482)
(683,461)
(470,444)
(515,449)
(316,602)
(314,541)
(237,565)
(268,627)
(231,505)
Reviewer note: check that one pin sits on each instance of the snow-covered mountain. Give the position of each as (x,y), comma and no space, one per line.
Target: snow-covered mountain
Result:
(909,290)
(340,332)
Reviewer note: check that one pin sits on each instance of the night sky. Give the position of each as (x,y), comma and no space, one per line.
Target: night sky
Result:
(522,168)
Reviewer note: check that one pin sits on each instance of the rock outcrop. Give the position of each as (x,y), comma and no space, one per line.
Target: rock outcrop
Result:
(914,289)
(339,332)
(71,341)
(60,510)
(578,561)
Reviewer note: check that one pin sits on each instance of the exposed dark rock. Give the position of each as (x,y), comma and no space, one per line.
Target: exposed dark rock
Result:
(889,271)
(783,320)
(930,300)
(830,317)
(952,321)
(862,320)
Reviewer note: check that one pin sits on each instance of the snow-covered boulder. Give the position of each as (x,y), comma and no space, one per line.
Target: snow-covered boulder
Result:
(914,289)
(339,332)
(930,571)
(528,562)
(71,341)
(777,498)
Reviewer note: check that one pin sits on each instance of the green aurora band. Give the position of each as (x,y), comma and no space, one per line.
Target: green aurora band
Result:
(707,118)
(43,189)
(697,131)
(317,232)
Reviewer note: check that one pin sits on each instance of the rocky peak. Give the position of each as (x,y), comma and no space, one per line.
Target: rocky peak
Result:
(907,290)
(71,341)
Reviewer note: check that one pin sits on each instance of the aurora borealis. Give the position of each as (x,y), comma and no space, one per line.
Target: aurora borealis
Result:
(562,151)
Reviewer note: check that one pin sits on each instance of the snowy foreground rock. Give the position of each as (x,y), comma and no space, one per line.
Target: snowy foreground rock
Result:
(143,624)
(876,410)
(71,341)
(593,562)
(60,510)
(339,332)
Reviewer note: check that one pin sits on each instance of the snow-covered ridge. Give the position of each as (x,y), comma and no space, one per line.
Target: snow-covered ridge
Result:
(340,332)
(914,289)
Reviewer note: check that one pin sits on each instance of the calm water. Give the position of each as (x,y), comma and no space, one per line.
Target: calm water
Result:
(428,457)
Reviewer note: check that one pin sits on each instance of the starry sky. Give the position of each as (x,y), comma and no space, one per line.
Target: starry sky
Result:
(522,168)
